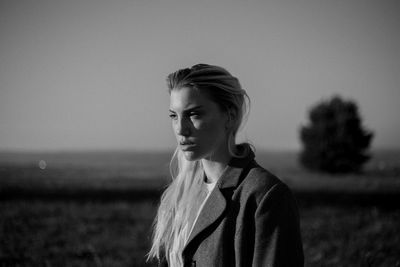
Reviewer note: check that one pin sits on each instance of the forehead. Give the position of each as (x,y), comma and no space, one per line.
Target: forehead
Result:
(186,97)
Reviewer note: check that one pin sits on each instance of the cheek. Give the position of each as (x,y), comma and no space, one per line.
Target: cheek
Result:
(211,129)
(174,127)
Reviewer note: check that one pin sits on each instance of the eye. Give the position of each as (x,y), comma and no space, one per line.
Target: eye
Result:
(172,116)
(195,115)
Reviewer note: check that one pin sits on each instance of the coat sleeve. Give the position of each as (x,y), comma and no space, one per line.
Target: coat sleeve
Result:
(277,230)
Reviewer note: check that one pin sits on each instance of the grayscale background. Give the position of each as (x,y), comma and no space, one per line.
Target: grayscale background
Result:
(85,138)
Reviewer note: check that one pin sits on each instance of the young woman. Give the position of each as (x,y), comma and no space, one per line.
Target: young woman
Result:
(222,208)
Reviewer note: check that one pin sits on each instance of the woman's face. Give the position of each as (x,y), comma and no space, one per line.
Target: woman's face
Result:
(198,123)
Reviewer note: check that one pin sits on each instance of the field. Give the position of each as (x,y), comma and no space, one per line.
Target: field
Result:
(96,209)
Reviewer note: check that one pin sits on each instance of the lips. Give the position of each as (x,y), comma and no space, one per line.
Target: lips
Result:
(187,145)
(182,143)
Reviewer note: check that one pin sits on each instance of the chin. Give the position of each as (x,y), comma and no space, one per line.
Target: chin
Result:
(191,155)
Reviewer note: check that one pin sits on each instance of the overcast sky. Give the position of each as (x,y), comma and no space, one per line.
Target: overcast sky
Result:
(91,74)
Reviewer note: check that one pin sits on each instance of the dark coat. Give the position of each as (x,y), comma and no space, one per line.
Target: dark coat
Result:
(250,219)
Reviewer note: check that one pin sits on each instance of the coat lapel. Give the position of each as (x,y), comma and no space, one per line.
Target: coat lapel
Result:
(216,202)
(212,210)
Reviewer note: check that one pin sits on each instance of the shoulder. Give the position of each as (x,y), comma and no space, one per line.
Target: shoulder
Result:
(259,184)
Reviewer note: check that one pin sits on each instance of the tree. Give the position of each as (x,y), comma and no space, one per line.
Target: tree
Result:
(334,140)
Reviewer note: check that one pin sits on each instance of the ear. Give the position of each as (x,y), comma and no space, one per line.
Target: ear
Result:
(231,117)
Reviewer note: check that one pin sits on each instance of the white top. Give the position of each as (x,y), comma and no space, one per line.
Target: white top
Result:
(210,187)
(174,258)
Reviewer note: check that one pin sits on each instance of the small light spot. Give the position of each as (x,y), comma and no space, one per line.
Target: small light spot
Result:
(42,164)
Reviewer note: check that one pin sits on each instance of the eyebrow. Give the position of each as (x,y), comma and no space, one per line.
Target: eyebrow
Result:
(189,109)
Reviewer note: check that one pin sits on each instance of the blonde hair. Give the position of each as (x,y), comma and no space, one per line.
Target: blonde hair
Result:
(187,176)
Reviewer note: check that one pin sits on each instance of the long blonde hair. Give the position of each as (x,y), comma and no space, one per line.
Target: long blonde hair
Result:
(187,176)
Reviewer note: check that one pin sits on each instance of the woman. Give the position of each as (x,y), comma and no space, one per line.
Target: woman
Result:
(222,208)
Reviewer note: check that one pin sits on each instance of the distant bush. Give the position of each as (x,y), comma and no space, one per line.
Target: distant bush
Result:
(334,140)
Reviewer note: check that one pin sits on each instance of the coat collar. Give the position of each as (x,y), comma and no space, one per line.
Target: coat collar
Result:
(231,176)
(216,203)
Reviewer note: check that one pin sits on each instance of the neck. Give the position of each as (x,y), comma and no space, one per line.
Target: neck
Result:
(214,167)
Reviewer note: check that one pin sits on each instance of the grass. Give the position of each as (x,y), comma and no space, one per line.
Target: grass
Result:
(97,209)
(350,236)
(41,233)
(72,233)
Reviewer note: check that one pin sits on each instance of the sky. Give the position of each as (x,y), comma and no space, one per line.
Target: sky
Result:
(78,75)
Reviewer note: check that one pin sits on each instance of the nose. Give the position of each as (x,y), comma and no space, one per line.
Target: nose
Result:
(182,127)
